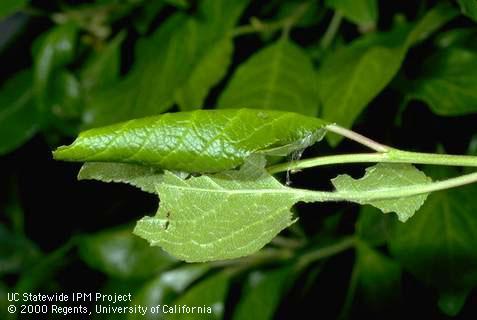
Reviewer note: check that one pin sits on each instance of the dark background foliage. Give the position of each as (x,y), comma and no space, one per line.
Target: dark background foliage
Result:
(403,73)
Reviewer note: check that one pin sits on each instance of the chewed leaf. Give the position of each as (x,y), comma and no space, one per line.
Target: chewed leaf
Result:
(217,217)
(385,176)
(144,178)
(196,141)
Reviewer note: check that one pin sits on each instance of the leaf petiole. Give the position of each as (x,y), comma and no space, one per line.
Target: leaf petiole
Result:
(385,154)
(392,156)
(285,24)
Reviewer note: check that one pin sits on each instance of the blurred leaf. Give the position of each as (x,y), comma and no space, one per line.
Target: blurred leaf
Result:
(379,277)
(166,287)
(11,29)
(452,302)
(262,294)
(148,88)
(373,227)
(114,286)
(278,77)
(438,244)
(209,293)
(361,12)
(147,13)
(118,253)
(18,115)
(178,3)
(352,76)
(144,178)
(173,62)
(44,269)
(196,141)
(16,252)
(384,176)
(4,303)
(469,8)
(54,50)
(7,7)
(448,83)
(432,21)
(458,37)
(313,14)
(65,98)
(207,73)
(103,66)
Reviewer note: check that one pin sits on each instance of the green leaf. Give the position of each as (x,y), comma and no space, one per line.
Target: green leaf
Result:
(55,50)
(452,302)
(18,115)
(262,294)
(196,141)
(65,98)
(379,277)
(207,73)
(373,227)
(432,21)
(469,8)
(148,88)
(458,37)
(278,77)
(178,3)
(438,245)
(175,64)
(385,176)
(361,12)
(313,15)
(148,12)
(44,269)
(166,287)
(241,211)
(447,82)
(103,66)
(208,294)
(120,254)
(8,7)
(144,178)
(350,78)
(17,253)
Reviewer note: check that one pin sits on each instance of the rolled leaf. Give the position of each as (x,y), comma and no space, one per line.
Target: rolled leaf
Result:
(196,141)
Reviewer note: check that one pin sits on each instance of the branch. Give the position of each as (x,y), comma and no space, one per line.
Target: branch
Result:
(285,24)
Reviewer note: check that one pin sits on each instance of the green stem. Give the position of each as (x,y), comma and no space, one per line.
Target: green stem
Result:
(322,161)
(325,252)
(392,156)
(257,26)
(384,154)
(386,193)
(432,158)
(365,141)
(333,28)
(350,294)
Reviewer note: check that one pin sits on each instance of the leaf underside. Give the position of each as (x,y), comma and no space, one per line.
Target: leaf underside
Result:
(144,178)
(381,177)
(217,217)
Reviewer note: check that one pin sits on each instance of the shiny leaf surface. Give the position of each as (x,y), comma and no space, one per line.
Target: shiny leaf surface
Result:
(197,141)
